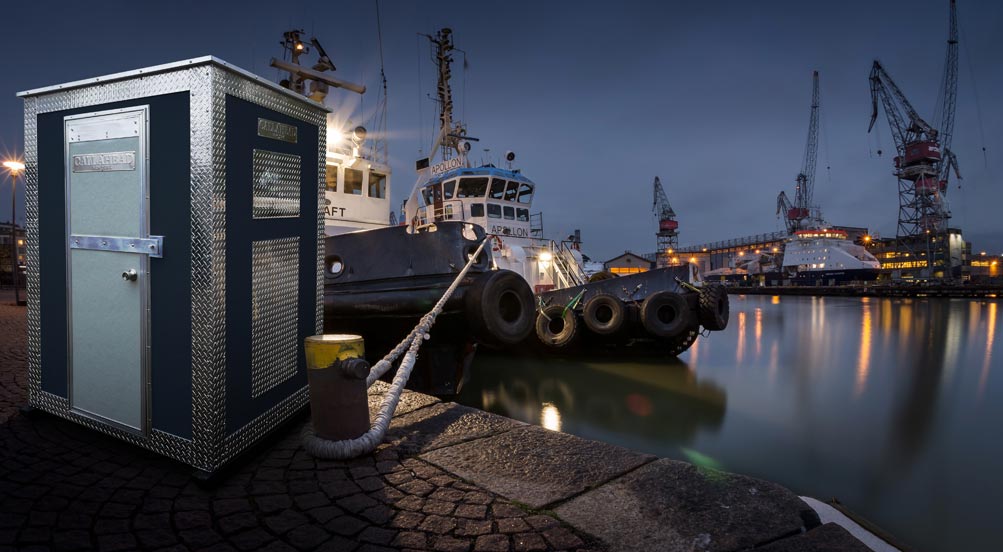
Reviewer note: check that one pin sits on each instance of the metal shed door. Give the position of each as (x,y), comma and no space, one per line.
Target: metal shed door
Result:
(108,250)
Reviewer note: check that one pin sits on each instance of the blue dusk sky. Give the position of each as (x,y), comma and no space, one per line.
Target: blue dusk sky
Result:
(595,98)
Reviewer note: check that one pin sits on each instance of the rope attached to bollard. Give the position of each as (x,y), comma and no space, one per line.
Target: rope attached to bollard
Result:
(367,442)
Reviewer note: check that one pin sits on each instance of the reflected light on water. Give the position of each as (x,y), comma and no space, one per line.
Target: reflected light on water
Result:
(864,361)
(759,331)
(990,337)
(550,417)
(694,353)
(775,300)
(740,350)
(905,320)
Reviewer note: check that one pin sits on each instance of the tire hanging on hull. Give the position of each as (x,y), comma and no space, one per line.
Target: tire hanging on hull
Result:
(499,306)
(665,314)
(714,309)
(556,327)
(604,314)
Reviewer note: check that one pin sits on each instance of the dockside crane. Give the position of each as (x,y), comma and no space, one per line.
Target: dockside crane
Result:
(797,215)
(924,161)
(667,236)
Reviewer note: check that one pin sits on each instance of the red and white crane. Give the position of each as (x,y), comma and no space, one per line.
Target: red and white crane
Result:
(924,160)
(668,228)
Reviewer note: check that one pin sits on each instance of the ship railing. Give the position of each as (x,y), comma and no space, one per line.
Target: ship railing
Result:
(450,210)
(565,270)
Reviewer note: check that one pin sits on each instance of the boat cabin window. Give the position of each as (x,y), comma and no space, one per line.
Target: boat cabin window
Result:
(522,215)
(448,188)
(476,209)
(510,191)
(426,194)
(331,178)
(497,188)
(472,187)
(353,181)
(494,211)
(509,212)
(377,185)
(525,193)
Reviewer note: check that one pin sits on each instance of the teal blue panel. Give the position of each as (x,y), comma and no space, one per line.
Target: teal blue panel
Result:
(106,346)
(96,196)
(107,312)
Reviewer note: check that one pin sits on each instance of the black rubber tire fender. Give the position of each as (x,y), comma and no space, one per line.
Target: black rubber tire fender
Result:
(500,307)
(714,309)
(556,327)
(665,314)
(604,314)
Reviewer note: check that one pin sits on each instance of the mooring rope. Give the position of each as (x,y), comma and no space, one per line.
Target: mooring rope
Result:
(367,442)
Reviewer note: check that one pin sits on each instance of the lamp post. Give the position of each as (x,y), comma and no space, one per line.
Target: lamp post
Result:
(14,167)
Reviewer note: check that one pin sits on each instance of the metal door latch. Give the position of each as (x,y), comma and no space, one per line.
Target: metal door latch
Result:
(130,275)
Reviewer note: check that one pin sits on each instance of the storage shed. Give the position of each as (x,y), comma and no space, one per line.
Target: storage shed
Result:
(174,255)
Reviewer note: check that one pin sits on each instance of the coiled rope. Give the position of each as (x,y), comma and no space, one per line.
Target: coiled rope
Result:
(367,442)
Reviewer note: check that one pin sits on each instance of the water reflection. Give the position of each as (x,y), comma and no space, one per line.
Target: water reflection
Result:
(740,349)
(887,404)
(864,360)
(759,331)
(990,338)
(635,398)
(550,417)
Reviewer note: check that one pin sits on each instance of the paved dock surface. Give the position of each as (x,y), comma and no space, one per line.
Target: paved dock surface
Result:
(448,478)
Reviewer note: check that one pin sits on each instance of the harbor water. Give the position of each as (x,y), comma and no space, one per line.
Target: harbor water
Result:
(891,406)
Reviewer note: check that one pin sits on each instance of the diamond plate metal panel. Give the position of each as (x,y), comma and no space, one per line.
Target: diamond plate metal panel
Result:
(274,312)
(321,185)
(275,184)
(208,84)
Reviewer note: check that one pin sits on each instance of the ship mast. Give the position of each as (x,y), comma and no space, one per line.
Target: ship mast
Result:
(451,136)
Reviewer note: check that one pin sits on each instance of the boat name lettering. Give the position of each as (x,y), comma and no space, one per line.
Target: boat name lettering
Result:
(508,231)
(277,131)
(332,211)
(447,165)
(104,162)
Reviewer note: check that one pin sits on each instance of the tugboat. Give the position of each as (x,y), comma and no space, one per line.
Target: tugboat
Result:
(524,292)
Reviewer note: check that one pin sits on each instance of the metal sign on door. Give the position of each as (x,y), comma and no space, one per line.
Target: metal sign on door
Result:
(108,273)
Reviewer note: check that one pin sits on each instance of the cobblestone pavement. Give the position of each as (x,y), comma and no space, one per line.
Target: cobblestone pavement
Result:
(63,487)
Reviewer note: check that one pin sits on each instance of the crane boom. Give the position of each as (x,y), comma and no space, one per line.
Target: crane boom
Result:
(806,178)
(950,91)
(905,123)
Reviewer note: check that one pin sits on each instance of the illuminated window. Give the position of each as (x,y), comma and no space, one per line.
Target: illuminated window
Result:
(353,181)
(331,178)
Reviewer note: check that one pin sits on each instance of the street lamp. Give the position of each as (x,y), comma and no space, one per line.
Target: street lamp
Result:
(14,168)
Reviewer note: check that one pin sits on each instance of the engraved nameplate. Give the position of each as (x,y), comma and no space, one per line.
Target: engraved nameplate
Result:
(105,162)
(276,130)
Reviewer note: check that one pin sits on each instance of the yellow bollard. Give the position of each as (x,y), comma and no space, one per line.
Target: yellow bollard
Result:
(336,372)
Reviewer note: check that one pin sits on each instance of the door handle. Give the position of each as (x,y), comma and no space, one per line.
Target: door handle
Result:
(130,275)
